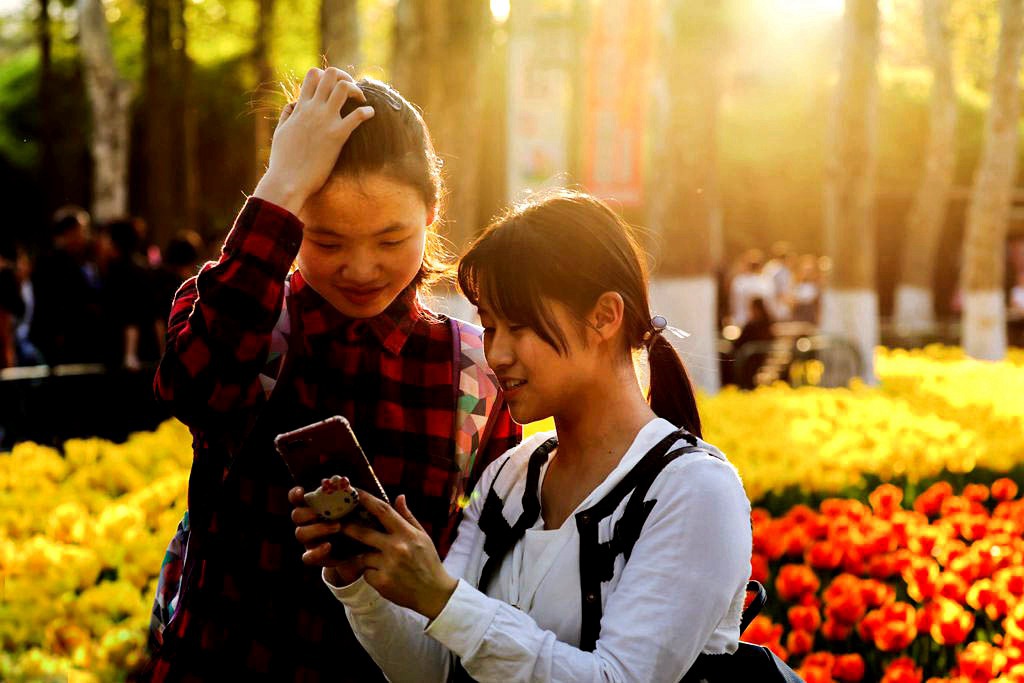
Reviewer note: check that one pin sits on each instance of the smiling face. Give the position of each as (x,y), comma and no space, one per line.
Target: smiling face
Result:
(537,380)
(363,242)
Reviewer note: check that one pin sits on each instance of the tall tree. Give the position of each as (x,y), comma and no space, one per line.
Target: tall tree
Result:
(984,303)
(110,98)
(49,175)
(850,300)
(339,33)
(166,80)
(263,121)
(684,207)
(439,64)
(914,296)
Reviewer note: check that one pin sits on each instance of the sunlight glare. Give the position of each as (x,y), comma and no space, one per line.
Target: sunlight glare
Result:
(500,10)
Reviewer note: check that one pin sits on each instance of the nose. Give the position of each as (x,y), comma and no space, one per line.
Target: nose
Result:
(498,350)
(361,268)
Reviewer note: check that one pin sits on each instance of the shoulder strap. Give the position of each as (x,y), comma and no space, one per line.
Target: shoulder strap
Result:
(597,560)
(499,536)
(478,403)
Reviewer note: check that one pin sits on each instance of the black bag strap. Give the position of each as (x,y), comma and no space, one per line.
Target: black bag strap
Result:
(499,536)
(597,560)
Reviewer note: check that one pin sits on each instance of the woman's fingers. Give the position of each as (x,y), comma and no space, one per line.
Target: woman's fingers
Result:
(351,122)
(402,506)
(309,83)
(342,91)
(285,113)
(313,534)
(318,555)
(327,82)
(297,496)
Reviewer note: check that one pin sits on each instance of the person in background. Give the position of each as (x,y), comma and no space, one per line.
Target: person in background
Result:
(758,329)
(805,298)
(179,261)
(68,308)
(748,283)
(12,307)
(779,272)
(125,283)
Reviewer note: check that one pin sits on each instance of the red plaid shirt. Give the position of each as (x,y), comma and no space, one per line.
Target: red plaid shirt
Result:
(251,605)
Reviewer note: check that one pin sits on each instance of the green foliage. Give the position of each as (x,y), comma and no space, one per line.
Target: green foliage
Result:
(19,83)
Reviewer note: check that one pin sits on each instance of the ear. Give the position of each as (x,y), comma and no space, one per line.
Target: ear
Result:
(607,315)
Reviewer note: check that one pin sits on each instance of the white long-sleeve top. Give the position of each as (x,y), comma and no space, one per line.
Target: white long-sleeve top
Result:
(680,594)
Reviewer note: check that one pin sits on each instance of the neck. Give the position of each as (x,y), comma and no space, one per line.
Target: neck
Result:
(602,421)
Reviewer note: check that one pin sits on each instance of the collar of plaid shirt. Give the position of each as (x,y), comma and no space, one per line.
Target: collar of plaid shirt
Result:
(391,328)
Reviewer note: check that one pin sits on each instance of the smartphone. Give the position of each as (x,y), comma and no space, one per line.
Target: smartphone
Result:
(323,451)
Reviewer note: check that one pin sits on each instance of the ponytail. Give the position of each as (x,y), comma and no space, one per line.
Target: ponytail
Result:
(672,397)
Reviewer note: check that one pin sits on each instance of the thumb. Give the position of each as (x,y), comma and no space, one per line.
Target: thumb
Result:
(402,507)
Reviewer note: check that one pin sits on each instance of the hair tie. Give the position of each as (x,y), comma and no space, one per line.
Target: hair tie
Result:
(659,325)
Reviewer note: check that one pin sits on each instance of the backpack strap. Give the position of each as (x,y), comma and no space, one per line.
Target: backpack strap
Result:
(499,536)
(478,403)
(597,560)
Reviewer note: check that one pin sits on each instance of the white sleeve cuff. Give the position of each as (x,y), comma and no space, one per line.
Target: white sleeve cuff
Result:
(357,596)
(462,623)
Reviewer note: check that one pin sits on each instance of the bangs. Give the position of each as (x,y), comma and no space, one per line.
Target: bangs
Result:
(509,271)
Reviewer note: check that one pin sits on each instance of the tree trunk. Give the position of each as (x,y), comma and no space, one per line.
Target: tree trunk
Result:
(165,78)
(109,98)
(339,33)
(850,301)
(439,66)
(684,204)
(264,117)
(49,169)
(914,297)
(984,305)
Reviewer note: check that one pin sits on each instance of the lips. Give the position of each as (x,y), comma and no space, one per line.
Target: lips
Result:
(511,385)
(361,295)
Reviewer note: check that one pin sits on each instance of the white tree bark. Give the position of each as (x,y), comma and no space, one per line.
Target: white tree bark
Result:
(690,303)
(984,322)
(914,298)
(850,186)
(109,99)
(683,209)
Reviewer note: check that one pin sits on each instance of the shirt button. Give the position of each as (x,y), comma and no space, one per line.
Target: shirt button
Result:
(591,597)
(584,519)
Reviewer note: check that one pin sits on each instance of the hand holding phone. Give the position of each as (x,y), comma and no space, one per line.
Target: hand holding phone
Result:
(326,460)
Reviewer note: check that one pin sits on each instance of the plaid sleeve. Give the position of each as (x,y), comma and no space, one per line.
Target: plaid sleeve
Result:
(218,336)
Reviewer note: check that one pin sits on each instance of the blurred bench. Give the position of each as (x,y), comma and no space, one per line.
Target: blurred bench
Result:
(49,405)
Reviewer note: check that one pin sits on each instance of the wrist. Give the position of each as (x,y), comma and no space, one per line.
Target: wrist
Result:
(277,191)
(439,598)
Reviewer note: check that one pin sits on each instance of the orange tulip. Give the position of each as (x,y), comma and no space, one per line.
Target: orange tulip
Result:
(902,670)
(930,501)
(836,630)
(976,492)
(885,500)
(758,568)
(824,555)
(1004,489)
(981,662)
(951,623)
(804,618)
(796,580)
(849,668)
(762,630)
(799,642)
(898,627)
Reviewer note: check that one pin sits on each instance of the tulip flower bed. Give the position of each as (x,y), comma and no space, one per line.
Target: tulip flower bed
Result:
(922,577)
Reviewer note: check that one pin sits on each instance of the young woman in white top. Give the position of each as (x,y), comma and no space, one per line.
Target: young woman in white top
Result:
(562,292)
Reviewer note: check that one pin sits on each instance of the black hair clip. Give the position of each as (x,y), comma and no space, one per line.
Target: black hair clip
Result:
(390,96)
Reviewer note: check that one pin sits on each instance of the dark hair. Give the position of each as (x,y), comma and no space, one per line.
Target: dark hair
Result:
(67,218)
(395,142)
(183,249)
(125,234)
(571,247)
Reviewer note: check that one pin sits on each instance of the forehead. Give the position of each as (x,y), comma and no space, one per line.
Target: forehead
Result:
(364,205)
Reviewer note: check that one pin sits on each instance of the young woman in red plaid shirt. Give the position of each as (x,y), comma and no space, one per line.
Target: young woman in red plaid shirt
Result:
(350,199)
